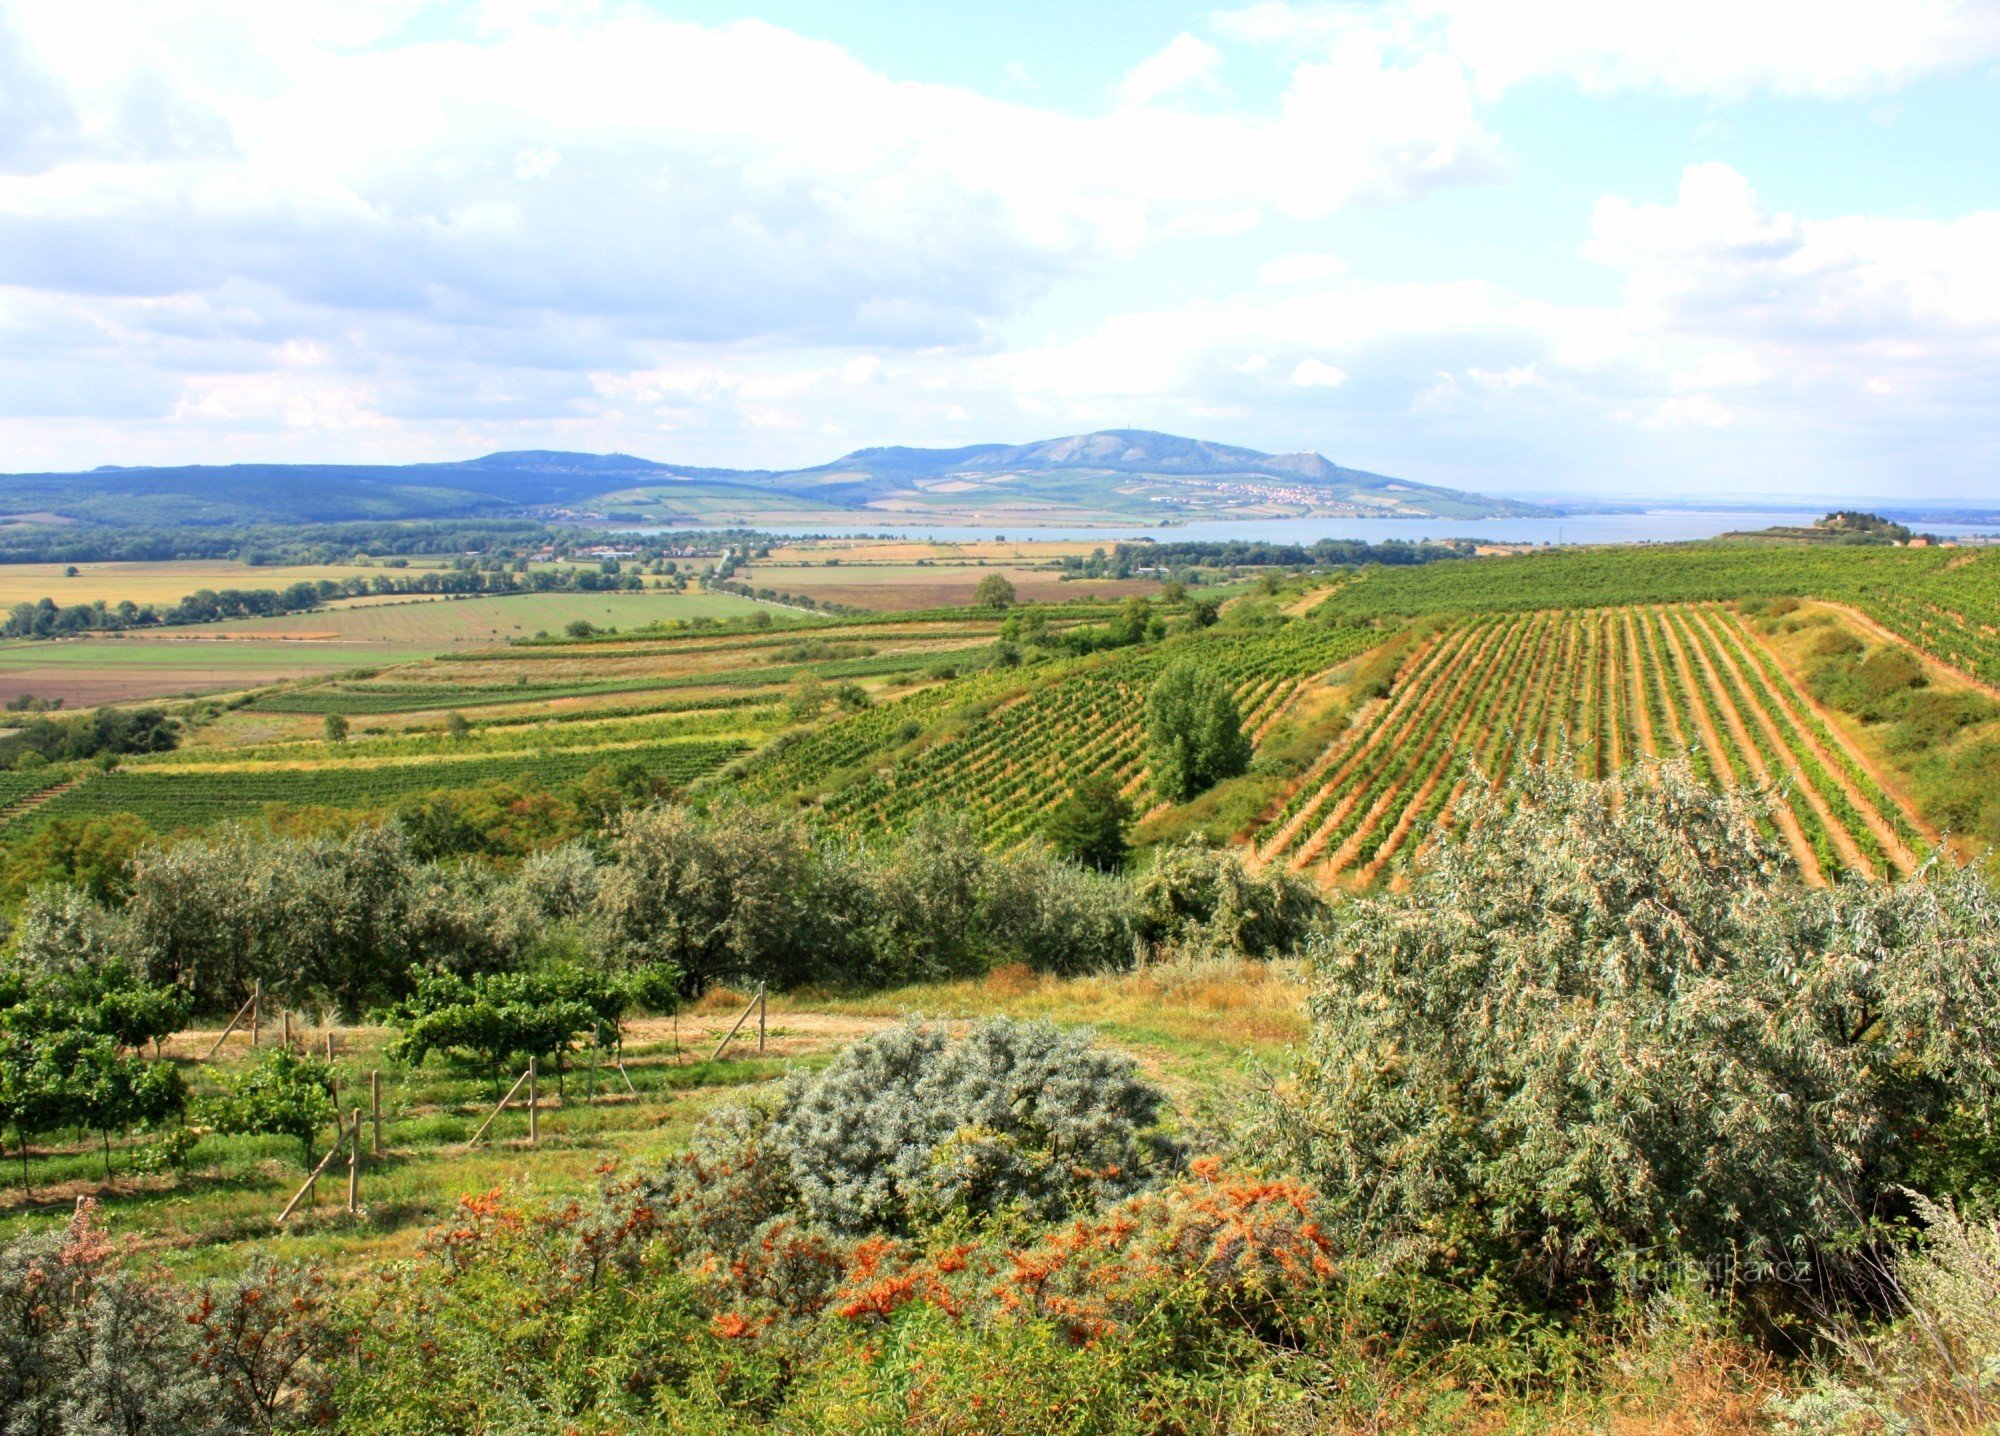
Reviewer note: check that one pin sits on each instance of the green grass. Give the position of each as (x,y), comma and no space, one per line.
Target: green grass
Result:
(1204,1030)
(434,624)
(221,1210)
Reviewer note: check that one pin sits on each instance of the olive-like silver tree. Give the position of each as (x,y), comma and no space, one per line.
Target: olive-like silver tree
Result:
(1608,1029)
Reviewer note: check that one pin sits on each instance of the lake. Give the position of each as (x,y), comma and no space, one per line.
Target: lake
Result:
(1649,526)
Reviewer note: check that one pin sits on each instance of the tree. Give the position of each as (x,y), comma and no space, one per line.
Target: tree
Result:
(994,591)
(496,1015)
(336,728)
(1089,825)
(808,698)
(1194,734)
(456,726)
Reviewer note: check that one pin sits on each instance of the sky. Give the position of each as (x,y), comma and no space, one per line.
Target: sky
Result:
(1736,249)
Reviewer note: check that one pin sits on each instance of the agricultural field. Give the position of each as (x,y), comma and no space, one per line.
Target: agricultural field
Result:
(1372,698)
(1016,748)
(436,624)
(221,1209)
(886,586)
(169,582)
(128,668)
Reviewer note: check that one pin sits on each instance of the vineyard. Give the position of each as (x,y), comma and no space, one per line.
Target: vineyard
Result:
(1607,686)
(175,796)
(1015,751)
(1945,601)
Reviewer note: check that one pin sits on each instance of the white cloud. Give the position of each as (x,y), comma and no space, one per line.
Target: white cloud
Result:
(1186,61)
(1693,47)
(1317,374)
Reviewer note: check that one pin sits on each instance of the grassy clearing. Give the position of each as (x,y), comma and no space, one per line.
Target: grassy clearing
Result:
(1205,1030)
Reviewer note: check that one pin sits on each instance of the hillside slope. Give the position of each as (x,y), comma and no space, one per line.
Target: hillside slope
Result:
(1113,475)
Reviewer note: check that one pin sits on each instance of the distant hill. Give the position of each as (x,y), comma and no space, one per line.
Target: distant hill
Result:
(1112,475)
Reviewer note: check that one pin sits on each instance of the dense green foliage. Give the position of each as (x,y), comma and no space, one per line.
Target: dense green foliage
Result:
(1608,1031)
(1089,825)
(109,732)
(1194,732)
(282,1094)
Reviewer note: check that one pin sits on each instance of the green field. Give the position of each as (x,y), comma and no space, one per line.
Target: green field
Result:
(436,624)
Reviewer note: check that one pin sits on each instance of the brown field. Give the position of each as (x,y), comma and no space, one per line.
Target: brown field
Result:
(904,587)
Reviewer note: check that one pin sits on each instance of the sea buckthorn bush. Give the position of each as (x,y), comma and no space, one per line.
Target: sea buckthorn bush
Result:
(914,1125)
(1608,1035)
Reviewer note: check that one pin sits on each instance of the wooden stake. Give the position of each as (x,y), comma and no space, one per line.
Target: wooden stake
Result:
(230,1028)
(288,1029)
(760,1018)
(497,1110)
(750,1008)
(534,1108)
(256,1011)
(311,1181)
(354,1167)
(329,1044)
(375,1106)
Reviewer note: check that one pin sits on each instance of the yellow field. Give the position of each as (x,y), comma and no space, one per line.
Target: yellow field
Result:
(168,582)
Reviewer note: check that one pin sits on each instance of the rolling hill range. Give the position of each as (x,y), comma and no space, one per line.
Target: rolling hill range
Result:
(1118,475)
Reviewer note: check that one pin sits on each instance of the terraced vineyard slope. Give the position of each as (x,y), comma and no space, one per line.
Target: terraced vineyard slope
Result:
(1610,686)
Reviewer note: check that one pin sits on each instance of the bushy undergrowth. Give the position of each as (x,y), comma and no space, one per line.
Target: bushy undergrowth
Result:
(738,894)
(1607,1036)
(1603,1090)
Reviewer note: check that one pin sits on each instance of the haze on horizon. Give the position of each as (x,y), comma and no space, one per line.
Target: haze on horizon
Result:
(1729,249)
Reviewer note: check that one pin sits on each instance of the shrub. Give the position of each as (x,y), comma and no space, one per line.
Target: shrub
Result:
(912,1125)
(1202,900)
(88,1348)
(1607,1030)
(1089,825)
(281,1094)
(1055,916)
